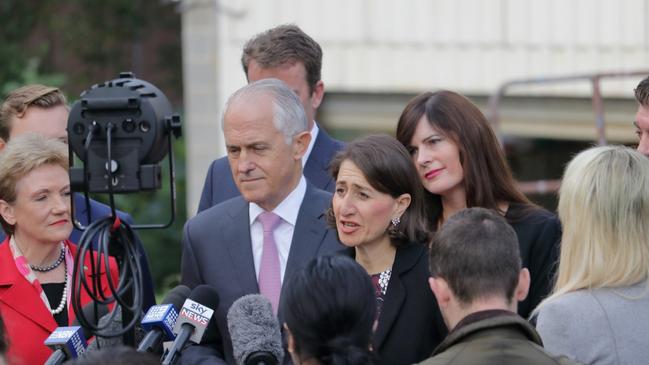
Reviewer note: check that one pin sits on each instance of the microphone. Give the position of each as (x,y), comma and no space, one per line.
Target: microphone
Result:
(160,319)
(92,316)
(113,325)
(67,343)
(254,329)
(195,315)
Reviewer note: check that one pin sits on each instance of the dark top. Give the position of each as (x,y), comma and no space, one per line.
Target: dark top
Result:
(539,234)
(410,325)
(54,291)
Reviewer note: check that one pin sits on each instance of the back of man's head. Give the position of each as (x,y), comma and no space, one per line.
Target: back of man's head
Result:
(476,253)
(642,92)
(18,100)
(285,43)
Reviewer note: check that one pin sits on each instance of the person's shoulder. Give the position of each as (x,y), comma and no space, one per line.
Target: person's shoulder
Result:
(573,307)
(528,215)
(99,210)
(220,163)
(455,354)
(324,140)
(313,192)
(529,212)
(228,207)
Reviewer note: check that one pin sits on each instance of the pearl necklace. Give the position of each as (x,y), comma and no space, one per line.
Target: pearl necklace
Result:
(53,265)
(64,297)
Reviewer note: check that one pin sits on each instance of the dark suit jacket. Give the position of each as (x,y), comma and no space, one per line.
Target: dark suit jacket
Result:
(99,210)
(410,324)
(217,251)
(27,321)
(219,185)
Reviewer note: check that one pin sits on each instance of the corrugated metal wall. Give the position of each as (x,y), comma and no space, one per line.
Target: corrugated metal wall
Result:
(407,46)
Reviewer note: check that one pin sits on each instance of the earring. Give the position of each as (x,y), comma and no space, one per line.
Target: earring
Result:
(396,221)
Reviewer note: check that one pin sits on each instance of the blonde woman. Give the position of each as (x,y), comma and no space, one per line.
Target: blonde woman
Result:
(598,312)
(36,258)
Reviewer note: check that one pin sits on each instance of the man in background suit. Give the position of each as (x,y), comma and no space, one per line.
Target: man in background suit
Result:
(266,134)
(288,54)
(43,110)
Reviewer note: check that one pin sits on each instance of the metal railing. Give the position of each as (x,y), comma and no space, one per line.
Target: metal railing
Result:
(495,100)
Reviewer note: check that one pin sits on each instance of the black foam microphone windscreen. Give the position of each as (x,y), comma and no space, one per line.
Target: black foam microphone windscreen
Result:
(113,326)
(93,315)
(255,332)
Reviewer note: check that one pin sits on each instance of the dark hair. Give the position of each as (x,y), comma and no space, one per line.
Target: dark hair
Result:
(488,179)
(17,102)
(642,92)
(330,308)
(388,168)
(476,252)
(120,355)
(285,43)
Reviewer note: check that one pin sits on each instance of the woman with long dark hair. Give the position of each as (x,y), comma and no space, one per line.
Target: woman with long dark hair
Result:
(461,165)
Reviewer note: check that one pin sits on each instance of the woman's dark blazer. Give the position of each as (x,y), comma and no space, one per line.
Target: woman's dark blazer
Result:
(539,235)
(410,325)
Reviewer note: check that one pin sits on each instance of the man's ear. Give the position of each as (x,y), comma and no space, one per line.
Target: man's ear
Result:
(317,95)
(301,143)
(441,291)
(523,287)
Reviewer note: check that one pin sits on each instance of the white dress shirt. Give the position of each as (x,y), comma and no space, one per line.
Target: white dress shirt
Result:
(287,210)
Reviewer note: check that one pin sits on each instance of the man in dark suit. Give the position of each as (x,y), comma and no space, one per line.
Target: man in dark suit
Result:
(43,110)
(288,54)
(228,246)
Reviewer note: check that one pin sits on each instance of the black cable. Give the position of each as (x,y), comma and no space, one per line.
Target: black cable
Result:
(114,239)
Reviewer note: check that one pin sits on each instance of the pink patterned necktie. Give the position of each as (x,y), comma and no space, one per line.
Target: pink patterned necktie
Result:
(270,282)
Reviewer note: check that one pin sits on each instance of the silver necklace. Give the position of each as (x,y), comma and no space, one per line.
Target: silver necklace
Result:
(64,297)
(52,266)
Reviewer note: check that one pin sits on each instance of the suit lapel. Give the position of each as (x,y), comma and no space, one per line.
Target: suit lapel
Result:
(16,292)
(405,259)
(308,234)
(239,245)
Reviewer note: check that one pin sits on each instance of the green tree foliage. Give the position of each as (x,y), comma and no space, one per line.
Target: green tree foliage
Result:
(21,57)
(74,44)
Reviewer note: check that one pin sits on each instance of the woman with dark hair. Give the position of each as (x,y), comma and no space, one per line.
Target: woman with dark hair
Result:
(461,165)
(329,310)
(378,212)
